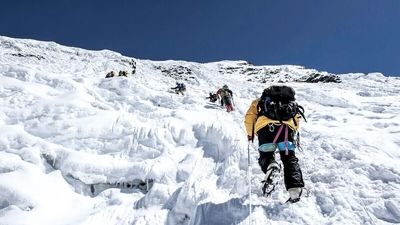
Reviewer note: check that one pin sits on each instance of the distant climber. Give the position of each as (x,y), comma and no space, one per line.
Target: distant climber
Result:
(226,97)
(275,118)
(213,97)
(110,74)
(133,65)
(123,73)
(180,88)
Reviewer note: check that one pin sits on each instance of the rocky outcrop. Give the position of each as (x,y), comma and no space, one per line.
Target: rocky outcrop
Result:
(317,77)
(177,72)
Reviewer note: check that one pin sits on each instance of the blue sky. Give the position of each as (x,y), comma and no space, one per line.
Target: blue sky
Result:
(337,36)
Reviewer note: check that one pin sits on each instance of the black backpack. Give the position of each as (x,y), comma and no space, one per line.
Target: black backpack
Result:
(278,103)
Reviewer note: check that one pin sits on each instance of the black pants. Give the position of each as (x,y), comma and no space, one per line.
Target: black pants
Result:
(292,172)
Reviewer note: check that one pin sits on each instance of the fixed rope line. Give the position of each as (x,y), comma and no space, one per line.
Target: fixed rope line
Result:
(249,182)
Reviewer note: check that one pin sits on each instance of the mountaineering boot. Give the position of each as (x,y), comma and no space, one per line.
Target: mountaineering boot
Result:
(271,178)
(294,194)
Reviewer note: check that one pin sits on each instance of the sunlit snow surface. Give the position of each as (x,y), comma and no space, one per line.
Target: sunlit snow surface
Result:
(63,126)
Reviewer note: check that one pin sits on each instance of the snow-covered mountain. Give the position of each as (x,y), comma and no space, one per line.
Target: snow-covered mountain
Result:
(78,148)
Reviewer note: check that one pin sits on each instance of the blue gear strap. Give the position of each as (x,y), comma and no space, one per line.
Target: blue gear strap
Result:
(290,146)
(271,147)
(267,147)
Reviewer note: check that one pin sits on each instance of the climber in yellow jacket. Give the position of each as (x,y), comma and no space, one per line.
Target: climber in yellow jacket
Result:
(274,119)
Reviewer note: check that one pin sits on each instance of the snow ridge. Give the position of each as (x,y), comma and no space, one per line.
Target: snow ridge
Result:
(66,131)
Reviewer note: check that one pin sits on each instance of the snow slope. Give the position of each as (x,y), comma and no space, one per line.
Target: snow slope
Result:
(72,143)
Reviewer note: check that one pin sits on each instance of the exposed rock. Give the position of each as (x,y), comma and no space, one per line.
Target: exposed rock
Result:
(317,77)
(177,72)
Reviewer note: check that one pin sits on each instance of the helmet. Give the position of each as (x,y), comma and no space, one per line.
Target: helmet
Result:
(225,86)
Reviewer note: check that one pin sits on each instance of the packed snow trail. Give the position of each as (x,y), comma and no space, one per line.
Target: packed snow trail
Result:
(64,126)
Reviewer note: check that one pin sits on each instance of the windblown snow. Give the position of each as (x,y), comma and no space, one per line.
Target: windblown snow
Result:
(78,148)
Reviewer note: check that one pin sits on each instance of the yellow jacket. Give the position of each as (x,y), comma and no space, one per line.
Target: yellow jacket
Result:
(262,121)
